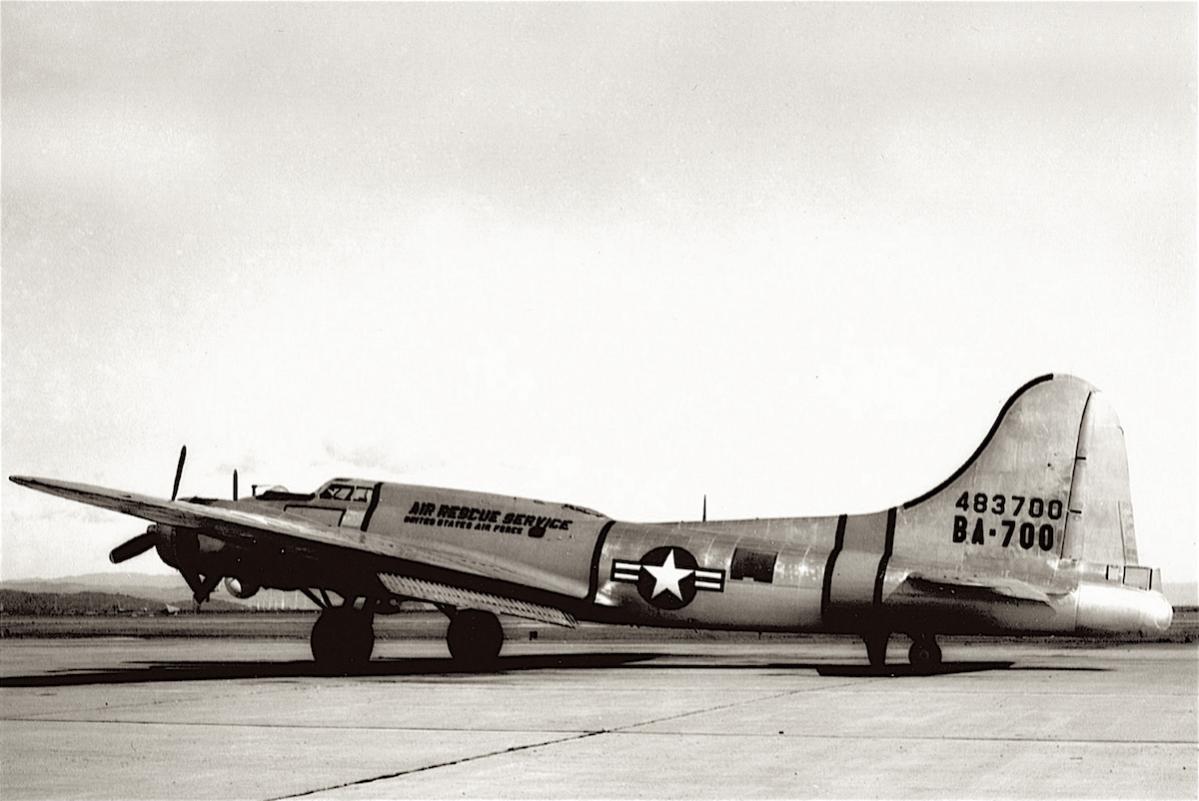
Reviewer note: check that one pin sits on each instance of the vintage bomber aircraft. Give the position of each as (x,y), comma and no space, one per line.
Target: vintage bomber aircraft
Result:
(1034,533)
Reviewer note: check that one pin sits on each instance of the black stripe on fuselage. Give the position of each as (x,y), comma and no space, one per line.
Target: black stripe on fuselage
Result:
(888,546)
(838,542)
(600,539)
(374,504)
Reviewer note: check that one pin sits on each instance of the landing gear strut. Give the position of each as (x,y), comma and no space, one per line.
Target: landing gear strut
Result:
(924,654)
(475,638)
(343,638)
(876,647)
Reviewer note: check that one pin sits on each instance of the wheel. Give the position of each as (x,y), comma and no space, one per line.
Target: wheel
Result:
(924,654)
(343,638)
(876,647)
(475,638)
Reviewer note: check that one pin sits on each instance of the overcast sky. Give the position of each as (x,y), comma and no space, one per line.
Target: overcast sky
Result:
(791,256)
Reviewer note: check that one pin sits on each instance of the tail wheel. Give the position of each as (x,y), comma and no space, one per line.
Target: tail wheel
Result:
(475,638)
(925,654)
(343,638)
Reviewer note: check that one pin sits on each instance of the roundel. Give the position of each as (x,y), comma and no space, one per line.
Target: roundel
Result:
(667,577)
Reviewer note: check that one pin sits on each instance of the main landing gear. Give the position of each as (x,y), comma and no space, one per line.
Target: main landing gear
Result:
(924,655)
(343,636)
(474,637)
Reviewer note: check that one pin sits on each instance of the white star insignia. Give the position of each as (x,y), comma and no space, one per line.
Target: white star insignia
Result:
(667,577)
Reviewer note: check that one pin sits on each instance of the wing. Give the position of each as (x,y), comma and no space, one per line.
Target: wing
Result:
(252,527)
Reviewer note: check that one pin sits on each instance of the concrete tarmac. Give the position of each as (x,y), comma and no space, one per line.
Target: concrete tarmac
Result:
(167,719)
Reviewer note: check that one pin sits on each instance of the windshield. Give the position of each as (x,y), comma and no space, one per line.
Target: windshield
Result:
(354,493)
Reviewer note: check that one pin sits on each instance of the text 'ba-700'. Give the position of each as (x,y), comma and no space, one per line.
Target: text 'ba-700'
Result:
(997,519)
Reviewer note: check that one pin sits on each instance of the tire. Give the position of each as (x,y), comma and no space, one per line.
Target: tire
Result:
(925,654)
(475,638)
(342,638)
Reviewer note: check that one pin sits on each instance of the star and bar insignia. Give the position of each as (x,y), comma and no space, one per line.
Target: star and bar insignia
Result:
(668,577)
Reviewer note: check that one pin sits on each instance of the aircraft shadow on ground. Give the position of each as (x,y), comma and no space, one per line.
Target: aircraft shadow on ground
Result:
(944,669)
(154,672)
(901,670)
(864,671)
(860,670)
(151,672)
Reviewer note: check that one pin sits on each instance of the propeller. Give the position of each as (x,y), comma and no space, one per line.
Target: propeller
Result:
(147,540)
(134,547)
(179,472)
(235,485)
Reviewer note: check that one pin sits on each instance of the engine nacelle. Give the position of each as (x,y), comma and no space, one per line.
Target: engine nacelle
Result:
(240,588)
(188,549)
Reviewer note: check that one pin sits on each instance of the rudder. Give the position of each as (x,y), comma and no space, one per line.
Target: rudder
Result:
(1099,523)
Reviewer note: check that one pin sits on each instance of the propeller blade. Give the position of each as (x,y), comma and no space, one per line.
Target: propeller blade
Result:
(235,485)
(134,547)
(179,472)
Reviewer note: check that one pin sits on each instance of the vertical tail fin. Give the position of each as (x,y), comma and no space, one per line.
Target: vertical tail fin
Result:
(1049,480)
(1039,517)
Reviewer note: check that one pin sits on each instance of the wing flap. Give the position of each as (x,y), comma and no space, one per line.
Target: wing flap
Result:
(462,598)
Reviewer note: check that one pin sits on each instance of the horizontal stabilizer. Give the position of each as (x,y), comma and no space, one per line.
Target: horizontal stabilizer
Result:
(974,588)
(460,598)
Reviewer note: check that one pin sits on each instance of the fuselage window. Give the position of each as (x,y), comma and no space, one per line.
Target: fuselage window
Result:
(362,494)
(755,565)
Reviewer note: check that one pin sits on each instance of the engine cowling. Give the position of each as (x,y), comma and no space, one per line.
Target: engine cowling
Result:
(240,588)
(188,549)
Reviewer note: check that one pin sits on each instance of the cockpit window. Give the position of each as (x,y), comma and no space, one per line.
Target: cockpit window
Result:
(337,492)
(347,492)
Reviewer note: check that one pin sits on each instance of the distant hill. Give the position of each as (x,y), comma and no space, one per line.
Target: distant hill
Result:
(161,589)
(1182,593)
(141,585)
(18,602)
